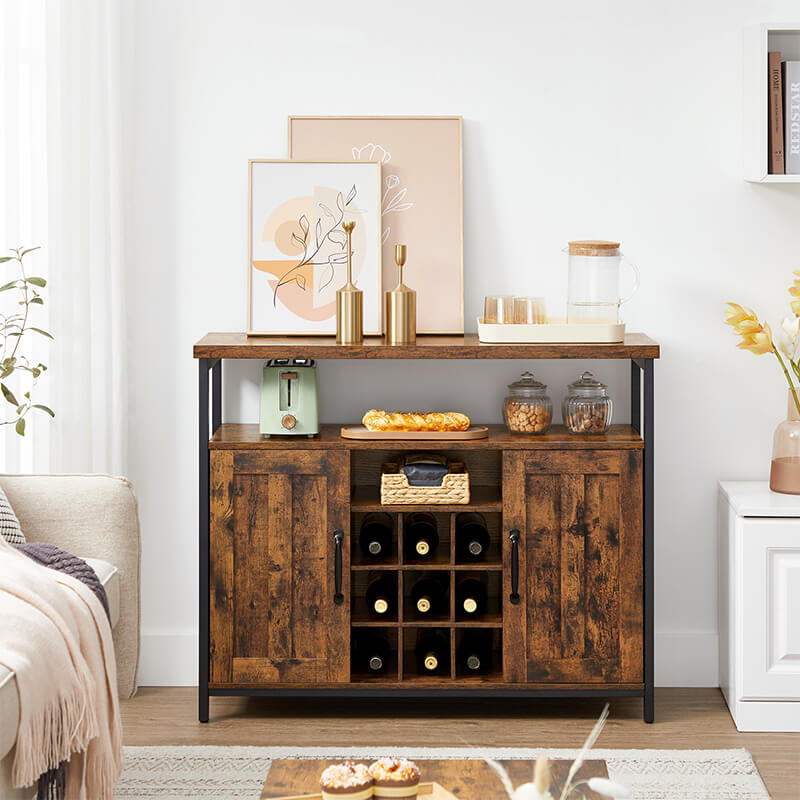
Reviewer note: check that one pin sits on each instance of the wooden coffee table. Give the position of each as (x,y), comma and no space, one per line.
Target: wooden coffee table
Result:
(467,779)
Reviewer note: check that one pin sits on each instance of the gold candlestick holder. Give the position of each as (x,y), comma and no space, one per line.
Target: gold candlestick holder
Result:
(401,306)
(349,301)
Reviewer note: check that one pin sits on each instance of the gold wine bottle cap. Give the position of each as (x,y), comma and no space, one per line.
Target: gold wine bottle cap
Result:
(431,662)
(470,605)
(424,605)
(381,606)
(423,548)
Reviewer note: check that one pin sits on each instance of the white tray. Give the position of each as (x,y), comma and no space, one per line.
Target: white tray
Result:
(553,331)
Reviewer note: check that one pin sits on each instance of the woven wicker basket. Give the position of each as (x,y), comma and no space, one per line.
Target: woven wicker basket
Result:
(395,490)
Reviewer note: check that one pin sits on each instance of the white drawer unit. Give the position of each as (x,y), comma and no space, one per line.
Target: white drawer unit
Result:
(759,606)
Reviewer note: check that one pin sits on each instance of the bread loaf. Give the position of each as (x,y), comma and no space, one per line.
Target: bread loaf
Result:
(375,420)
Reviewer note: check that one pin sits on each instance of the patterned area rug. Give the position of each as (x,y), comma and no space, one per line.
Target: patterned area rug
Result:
(238,773)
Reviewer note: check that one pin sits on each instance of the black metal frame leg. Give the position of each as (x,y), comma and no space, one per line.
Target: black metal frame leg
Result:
(648,418)
(215,366)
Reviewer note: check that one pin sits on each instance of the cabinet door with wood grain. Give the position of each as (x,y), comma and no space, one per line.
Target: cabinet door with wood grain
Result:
(578,615)
(273,617)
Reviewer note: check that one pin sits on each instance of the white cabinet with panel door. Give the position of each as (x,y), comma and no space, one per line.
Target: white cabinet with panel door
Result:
(759,606)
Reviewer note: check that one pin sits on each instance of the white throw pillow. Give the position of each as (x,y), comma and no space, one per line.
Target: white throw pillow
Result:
(9,524)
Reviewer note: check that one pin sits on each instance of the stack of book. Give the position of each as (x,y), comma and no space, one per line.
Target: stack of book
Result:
(784,116)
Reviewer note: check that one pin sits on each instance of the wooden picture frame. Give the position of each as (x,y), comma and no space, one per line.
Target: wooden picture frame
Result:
(422,199)
(295,210)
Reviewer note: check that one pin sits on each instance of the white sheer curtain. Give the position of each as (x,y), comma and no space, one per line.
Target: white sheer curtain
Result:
(61,188)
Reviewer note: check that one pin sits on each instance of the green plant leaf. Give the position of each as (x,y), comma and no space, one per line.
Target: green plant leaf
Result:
(39,330)
(6,258)
(37,281)
(36,372)
(6,286)
(37,300)
(45,409)
(29,250)
(8,394)
(20,426)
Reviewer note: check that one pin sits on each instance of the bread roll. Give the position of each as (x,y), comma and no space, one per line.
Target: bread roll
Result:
(375,420)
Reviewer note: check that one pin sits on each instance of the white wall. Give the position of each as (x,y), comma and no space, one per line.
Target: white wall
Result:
(581,119)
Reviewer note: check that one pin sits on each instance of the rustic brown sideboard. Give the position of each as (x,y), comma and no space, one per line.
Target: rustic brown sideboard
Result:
(569,566)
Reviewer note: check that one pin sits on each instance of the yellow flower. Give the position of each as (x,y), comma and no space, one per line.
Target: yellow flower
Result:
(759,342)
(756,338)
(737,314)
(794,291)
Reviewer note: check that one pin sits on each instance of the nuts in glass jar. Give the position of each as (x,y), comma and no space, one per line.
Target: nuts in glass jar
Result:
(587,420)
(525,417)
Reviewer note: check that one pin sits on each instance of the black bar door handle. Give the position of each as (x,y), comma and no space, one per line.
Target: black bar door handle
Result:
(338,597)
(514,537)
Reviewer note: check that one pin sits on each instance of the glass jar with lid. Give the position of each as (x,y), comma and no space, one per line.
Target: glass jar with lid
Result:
(527,408)
(587,406)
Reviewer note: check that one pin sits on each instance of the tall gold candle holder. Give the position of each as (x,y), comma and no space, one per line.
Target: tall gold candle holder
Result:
(401,306)
(349,301)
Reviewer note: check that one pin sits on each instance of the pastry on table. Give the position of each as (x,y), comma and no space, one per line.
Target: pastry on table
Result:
(346,781)
(376,420)
(395,778)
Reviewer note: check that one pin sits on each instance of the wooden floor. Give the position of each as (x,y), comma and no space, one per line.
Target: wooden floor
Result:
(685,719)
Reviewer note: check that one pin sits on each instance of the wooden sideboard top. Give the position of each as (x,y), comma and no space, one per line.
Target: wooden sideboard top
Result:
(239,345)
(246,436)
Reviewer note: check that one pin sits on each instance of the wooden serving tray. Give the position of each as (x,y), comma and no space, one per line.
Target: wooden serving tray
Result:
(554,331)
(427,791)
(360,432)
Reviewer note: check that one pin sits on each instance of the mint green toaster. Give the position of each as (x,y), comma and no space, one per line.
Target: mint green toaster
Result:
(289,397)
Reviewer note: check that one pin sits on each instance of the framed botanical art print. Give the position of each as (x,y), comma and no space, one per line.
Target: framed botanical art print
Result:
(297,253)
(421,199)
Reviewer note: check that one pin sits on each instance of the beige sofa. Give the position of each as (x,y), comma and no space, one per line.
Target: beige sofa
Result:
(95,517)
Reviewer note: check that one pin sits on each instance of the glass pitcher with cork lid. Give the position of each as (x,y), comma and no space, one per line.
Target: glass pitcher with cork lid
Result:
(593,293)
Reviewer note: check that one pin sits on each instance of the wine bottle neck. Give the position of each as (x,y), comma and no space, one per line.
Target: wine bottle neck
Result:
(431,661)
(375,663)
(381,605)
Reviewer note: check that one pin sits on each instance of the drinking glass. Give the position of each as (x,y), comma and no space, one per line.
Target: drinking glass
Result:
(529,310)
(498,308)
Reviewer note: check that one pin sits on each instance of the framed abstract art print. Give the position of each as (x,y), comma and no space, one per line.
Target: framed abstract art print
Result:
(297,252)
(421,199)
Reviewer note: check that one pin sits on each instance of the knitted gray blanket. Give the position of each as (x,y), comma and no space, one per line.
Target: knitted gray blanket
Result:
(48,555)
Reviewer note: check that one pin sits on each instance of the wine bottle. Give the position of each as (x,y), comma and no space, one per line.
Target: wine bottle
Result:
(375,537)
(421,536)
(372,652)
(382,597)
(472,536)
(471,597)
(475,652)
(428,597)
(433,654)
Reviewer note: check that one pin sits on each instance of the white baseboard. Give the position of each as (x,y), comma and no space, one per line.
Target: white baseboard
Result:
(682,659)
(687,659)
(168,658)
